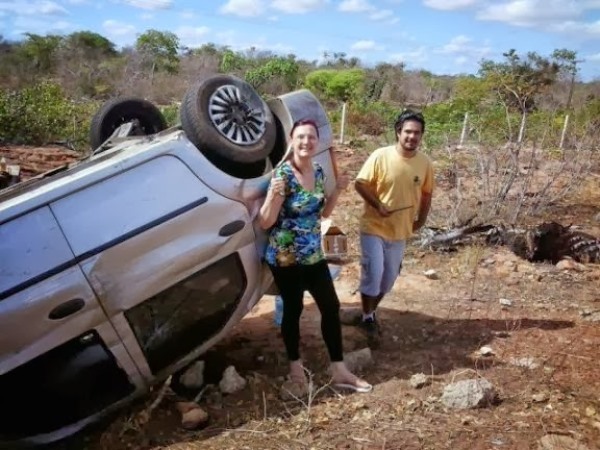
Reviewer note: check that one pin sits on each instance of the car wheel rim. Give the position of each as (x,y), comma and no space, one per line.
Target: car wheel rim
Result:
(239,119)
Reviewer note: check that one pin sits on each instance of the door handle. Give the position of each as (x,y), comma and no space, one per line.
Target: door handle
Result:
(66,309)
(232,228)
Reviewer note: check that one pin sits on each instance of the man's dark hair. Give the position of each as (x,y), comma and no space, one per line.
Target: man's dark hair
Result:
(405,116)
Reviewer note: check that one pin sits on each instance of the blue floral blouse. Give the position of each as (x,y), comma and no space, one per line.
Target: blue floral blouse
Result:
(296,236)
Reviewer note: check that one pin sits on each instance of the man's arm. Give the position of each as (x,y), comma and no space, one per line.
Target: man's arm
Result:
(424,207)
(365,191)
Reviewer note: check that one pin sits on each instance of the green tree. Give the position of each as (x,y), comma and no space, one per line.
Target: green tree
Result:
(341,85)
(519,80)
(568,65)
(93,44)
(40,51)
(285,69)
(160,49)
(232,62)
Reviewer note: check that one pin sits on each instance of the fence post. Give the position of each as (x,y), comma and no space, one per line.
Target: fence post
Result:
(564,132)
(463,133)
(343,123)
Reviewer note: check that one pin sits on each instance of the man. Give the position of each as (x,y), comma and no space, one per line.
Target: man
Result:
(396,184)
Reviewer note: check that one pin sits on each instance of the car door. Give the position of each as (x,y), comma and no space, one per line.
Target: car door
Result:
(60,359)
(173,263)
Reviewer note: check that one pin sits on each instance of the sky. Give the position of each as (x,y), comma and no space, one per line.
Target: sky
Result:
(442,36)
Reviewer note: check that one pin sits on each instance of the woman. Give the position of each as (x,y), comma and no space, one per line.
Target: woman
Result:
(292,211)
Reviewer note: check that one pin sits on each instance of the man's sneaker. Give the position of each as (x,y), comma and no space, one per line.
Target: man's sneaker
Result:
(371,327)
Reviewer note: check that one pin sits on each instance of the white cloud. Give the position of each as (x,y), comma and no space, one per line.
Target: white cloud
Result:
(243,8)
(363,46)
(116,29)
(36,8)
(150,4)
(461,61)
(582,30)
(363,6)
(298,6)
(147,16)
(456,45)
(411,58)
(550,15)
(464,49)
(77,2)
(187,15)
(530,12)
(593,58)
(382,14)
(22,24)
(233,40)
(192,36)
(355,6)
(450,5)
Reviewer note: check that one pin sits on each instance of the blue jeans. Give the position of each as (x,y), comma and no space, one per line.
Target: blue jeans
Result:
(380,264)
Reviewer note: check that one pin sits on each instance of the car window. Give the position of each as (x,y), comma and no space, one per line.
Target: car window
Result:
(177,320)
(80,377)
(127,203)
(31,247)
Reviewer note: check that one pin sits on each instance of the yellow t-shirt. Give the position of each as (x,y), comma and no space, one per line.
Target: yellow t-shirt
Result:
(398,182)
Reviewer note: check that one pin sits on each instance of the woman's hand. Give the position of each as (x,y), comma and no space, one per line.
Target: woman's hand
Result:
(277,186)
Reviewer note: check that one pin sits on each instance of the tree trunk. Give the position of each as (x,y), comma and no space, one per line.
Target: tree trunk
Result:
(522,128)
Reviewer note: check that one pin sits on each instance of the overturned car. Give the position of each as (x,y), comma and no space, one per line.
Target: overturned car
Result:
(122,268)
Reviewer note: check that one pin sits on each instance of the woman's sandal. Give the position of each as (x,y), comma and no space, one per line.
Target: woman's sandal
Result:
(354,387)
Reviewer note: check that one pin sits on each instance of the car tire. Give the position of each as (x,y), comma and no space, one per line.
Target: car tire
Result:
(228,121)
(119,111)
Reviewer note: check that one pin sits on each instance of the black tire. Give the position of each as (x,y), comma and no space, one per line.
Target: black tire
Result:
(118,111)
(228,121)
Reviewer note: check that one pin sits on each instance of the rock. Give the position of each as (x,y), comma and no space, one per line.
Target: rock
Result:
(232,382)
(431,274)
(359,359)
(539,398)
(560,442)
(192,416)
(569,264)
(597,217)
(292,390)
(486,351)
(469,394)
(419,380)
(193,377)
(593,317)
(527,362)
(505,302)
(350,316)
(214,397)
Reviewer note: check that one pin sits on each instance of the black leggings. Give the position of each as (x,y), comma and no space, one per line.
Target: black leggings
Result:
(292,281)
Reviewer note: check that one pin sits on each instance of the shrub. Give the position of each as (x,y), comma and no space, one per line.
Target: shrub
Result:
(42,114)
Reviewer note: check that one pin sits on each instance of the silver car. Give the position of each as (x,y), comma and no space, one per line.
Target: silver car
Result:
(123,268)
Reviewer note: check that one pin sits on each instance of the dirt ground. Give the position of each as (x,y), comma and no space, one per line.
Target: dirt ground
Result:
(430,326)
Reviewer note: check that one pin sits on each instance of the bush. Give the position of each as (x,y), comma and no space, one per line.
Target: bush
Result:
(170,113)
(42,114)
